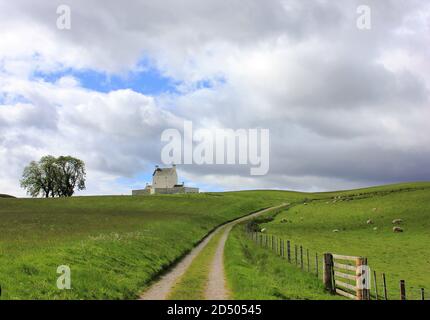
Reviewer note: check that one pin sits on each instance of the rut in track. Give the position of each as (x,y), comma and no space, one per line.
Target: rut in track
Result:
(216,287)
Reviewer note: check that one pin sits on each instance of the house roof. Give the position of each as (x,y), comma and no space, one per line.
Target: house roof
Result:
(164,171)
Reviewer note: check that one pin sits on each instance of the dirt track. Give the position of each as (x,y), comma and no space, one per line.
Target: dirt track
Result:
(216,287)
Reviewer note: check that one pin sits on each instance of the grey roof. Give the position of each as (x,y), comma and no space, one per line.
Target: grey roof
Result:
(164,171)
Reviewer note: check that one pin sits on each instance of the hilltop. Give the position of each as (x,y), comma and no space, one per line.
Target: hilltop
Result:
(6,196)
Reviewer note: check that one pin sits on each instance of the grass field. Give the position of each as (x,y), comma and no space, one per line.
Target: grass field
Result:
(400,255)
(256,273)
(116,245)
(113,245)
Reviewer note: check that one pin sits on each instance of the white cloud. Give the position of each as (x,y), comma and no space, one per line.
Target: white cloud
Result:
(345,107)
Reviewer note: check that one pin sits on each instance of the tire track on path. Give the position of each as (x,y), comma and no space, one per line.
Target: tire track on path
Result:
(217,288)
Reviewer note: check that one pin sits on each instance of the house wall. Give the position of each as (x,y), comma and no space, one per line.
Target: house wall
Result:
(174,190)
(165,180)
(140,192)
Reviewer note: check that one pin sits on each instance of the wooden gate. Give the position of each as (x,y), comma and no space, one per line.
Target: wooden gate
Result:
(347,276)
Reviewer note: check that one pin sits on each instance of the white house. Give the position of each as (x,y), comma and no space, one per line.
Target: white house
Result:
(165,181)
(164,177)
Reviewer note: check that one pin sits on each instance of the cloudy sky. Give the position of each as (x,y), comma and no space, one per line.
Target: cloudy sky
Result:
(345,107)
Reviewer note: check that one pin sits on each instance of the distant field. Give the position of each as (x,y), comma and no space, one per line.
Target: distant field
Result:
(114,245)
(6,196)
(400,255)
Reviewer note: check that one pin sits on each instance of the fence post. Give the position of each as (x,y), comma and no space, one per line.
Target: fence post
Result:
(295,254)
(282,248)
(384,283)
(289,250)
(422,294)
(328,272)
(301,257)
(402,290)
(316,263)
(307,258)
(376,284)
(362,290)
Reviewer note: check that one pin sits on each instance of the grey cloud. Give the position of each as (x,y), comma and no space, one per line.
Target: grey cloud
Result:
(338,116)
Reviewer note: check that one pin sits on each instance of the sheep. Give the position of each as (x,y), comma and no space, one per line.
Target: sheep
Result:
(397,229)
(335,230)
(397,221)
(370,221)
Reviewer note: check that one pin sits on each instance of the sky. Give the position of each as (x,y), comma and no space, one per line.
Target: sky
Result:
(345,106)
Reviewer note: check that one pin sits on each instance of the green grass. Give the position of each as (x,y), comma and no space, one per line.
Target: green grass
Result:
(6,196)
(400,255)
(117,245)
(256,273)
(193,283)
(114,245)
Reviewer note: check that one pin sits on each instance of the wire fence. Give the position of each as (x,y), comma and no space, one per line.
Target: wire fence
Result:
(313,262)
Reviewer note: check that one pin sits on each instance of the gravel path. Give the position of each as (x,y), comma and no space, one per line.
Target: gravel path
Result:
(217,288)
(217,285)
(161,289)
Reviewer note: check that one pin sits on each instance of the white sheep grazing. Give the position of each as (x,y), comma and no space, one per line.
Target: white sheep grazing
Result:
(370,221)
(397,229)
(397,221)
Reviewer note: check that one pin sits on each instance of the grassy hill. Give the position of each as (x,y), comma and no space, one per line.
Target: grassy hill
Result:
(6,196)
(114,245)
(400,255)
